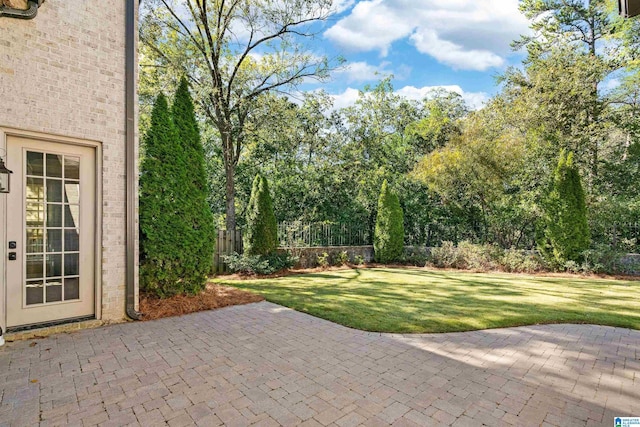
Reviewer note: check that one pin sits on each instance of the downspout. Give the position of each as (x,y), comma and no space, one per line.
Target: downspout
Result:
(21,14)
(130,140)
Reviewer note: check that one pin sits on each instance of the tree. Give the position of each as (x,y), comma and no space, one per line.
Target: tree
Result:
(474,172)
(162,170)
(574,48)
(232,53)
(565,228)
(388,238)
(261,237)
(199,238)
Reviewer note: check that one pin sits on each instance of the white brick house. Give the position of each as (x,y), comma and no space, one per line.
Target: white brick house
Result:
(68,226)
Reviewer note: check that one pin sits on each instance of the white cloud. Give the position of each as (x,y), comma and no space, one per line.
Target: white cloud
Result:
(474,100)
(345,99)
(465,34)
(427,41)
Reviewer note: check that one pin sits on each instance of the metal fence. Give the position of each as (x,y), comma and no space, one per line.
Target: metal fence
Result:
(312,234)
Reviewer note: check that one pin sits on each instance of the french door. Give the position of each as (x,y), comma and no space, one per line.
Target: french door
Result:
(50,232)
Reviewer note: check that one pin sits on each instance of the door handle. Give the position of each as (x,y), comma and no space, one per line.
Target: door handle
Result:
(12,256)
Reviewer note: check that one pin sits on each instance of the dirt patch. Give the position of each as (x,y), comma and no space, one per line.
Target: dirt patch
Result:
(214,296)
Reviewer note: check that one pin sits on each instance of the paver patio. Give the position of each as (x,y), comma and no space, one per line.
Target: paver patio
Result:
(264,364)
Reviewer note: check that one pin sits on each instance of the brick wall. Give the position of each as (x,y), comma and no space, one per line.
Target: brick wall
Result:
(63,73)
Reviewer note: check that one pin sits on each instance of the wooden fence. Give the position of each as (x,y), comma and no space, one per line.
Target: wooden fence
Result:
(227,243)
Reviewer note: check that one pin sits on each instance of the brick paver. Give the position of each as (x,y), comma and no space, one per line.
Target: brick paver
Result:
(262,364)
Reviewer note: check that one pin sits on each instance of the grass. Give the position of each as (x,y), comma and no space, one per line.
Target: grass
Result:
(405,300)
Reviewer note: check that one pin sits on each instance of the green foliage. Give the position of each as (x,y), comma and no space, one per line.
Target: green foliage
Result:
(261,237)
(176,225)
(229,77)
(564,225)
(341,258)
(358,260)
(486,257)
(388,238)
(161,226)
(199,236)
(323,260)
(259,264)
(415,255)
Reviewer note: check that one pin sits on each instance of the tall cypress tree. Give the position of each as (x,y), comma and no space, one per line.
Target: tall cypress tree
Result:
(161,226)
(199,239)
(388,238)
(261,237)
(566,230)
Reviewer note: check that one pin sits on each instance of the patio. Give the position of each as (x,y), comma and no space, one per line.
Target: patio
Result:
(262,364)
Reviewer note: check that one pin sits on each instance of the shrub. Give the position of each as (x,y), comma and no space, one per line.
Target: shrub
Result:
(342,258)
(415,255)
(279,261)
(199,237)
(478,257)
(565,232)
(323,260)
(519,261)
(259,264)
(388,238)
(250,264)
(358,260)
(164,251)
(445,256)
(261,237)
(484,258)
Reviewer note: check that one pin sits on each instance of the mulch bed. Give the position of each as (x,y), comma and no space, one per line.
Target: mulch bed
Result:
(214,296)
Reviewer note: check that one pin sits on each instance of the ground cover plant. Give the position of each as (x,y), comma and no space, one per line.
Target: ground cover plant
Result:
(421,300)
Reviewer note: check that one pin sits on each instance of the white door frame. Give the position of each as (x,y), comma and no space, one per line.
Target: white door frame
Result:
(4,133)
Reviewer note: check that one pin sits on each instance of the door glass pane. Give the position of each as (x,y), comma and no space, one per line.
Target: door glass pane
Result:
(54,165)
(71,264)
(54,240)
(72,216)
(54,291)
(54,190)
(34,267)
(34,214)
(71,288)
(35,189)
(35,241)
(71,192)
(71,167)
(71,240)
(35,165)
(54,265)
(54,215)
(35,292)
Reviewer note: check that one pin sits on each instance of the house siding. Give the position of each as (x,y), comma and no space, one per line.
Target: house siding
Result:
(63,73)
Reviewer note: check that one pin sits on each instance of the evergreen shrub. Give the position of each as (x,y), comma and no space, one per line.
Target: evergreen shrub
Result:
(176,225)
(564,231)
(261,237)
(388,238)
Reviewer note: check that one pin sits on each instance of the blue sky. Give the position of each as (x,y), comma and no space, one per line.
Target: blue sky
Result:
(459,44)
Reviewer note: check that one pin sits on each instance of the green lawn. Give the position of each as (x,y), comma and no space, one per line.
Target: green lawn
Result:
(417,300)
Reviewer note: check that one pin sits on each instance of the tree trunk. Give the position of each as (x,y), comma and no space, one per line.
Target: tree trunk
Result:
(230,196)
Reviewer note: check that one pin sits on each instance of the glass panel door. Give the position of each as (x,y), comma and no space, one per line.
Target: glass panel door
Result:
(52,225)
